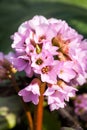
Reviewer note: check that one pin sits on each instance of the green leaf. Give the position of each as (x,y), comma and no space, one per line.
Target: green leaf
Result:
(50,121)
(10,108)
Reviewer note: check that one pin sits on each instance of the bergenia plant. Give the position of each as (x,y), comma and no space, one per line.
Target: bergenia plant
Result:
(55,56)
(80,104)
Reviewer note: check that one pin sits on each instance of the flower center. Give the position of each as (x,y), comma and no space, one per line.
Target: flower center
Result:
(63,47)
(78,101)
(42,38)
(39,61)
(46,69)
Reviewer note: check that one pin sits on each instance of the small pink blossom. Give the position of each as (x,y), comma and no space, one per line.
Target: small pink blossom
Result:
(5,64)
(23,63)
(80,104)
(48,72)
(57,94)
(66,72)
(1,56)
(31,92)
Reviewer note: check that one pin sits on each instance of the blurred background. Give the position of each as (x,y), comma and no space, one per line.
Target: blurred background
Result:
(14,12)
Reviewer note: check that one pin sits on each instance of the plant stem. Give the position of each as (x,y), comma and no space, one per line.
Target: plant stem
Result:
(25,106)
(38,115)
(28,115)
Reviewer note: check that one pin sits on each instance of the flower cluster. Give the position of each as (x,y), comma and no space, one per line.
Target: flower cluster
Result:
(53,52)
(5,61)
(81,104)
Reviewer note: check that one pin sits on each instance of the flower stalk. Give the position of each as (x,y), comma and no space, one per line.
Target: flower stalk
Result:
(38,115)
(17,89)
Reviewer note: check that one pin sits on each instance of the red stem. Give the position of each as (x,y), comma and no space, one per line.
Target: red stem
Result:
(25,106)
(38,115)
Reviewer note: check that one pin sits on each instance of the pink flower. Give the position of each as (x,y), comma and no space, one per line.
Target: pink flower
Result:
(1,56)
(37,20)
(45,65)
(5,64)
(19,38)
(53,51)
(31,92)
(54,98)
(65,71)
(8,57)
(80,104)
(23,63)
(57,94)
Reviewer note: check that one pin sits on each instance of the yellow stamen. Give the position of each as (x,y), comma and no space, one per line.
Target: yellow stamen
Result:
(39,61)
(45,69)
(38,49)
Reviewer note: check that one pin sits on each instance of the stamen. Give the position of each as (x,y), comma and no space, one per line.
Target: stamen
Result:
(55,42)
(42,37)
(38,49)
(46,69)
(39,61)
(62,47)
